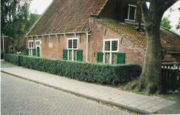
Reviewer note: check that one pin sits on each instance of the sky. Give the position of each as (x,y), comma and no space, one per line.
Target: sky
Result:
(40,6)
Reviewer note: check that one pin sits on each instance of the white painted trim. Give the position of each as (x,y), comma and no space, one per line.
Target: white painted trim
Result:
(29,42)
(128,12)
(72,49)
(130,5)
(110,52)
(31,48)
(75,38)
(87,46)
(110,44)
(54,34)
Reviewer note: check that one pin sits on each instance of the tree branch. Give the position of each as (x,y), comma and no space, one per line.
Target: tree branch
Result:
(167,4)
(144,9)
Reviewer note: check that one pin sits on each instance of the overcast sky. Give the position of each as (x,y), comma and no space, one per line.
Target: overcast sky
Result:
(40,6)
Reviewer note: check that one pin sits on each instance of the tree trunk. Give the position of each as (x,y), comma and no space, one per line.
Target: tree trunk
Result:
(150,76)
(149,80)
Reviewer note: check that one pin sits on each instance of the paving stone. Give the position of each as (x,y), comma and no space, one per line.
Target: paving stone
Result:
(21,97)
(104,93)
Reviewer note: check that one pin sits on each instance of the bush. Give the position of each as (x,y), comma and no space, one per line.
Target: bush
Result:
(99,73)
(2,55)
(12,58)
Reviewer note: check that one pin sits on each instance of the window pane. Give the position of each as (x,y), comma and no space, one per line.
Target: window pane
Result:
(70,54)
(107,58)
(69,43)
(107,45)
(29,45)
(114,45)
(114,58)
(74,43)
(132,13)
(75,54)
(32,44)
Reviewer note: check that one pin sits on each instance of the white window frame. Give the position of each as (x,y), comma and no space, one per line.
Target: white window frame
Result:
(31,48)
(72,49)
(32,41)
(130,5)
(104,51)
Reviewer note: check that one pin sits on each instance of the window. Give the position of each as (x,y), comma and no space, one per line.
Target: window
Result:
(131,12)
(38,48)
(72,43)
(31,47)
(110,49)
(72,47)
(34,47)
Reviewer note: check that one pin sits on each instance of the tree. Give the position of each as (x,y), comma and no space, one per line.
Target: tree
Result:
(149,80)
(178,25)
(20,42)
(16,20)
(14,17)
(166,23)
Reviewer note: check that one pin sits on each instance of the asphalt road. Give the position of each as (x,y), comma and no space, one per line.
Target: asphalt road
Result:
(22,97)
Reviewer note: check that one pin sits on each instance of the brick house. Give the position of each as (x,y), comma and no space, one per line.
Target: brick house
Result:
(103,31)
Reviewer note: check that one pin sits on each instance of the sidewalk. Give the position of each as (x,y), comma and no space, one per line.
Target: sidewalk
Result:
(108,95)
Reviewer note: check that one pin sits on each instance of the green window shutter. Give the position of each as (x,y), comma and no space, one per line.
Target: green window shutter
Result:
(79,55)
(99,57)
(34,52)
(120,58)
(38,51)
(65,54)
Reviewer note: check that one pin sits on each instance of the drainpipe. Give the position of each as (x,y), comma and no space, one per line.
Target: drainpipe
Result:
(87,45)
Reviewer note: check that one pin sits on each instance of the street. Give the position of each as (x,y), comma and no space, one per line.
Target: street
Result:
(22,97)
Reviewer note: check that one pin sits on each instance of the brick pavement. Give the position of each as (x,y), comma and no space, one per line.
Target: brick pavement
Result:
(21,97)
(105,94)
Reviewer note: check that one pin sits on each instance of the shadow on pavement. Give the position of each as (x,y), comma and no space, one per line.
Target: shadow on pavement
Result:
(6,64)
(174,109)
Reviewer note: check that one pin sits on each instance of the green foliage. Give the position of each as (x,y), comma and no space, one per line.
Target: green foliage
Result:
(166,23)
(16,20)
(98,73)
(14,17)
(2,55)
(12,58)
(178,25)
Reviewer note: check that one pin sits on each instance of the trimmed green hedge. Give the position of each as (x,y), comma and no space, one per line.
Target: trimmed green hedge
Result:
(99,73)
(2,55)
(12,58)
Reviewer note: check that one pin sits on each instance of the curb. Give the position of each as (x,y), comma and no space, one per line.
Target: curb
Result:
(84,96)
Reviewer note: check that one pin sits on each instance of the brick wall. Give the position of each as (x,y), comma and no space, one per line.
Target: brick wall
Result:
(52,46)
(134,53)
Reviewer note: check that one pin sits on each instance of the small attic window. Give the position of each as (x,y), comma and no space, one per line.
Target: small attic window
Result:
(131,12)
